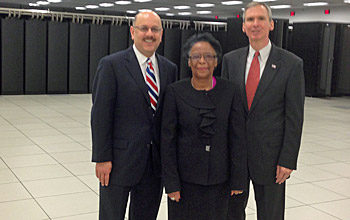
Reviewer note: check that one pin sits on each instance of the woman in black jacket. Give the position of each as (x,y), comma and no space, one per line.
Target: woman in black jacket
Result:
(202,147)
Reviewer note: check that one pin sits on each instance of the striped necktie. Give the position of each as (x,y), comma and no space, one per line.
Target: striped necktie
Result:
(152,85)
(253,79)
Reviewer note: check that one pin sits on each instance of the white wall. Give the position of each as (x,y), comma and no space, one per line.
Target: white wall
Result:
(338,14)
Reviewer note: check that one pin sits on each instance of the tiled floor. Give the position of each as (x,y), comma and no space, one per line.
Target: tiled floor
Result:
(46,173)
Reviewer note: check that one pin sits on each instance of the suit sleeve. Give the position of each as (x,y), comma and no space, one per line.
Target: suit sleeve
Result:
(237,146)
(294,117)
(170,173)
(102,112)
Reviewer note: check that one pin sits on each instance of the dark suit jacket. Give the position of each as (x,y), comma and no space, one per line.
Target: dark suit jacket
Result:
(122,124)
(274,122)
(194,120)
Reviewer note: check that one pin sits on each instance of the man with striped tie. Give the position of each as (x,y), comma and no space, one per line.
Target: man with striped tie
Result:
(125,122)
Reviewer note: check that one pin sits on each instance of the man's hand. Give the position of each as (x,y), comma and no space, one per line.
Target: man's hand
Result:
(103,170)
(175,196)
(282,174)
(236,192)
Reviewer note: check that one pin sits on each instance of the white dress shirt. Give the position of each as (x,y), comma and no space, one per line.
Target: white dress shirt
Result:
(264,54)
(143,64)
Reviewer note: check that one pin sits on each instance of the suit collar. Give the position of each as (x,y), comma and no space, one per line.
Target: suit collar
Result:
(135,71)
(271,68)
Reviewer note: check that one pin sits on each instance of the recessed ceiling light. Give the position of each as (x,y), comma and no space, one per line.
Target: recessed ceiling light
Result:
(205,5)
(91,6)
(162,9)
(106,5)
(144,9)
(203,12)
(280,6)
(33,4)
(169,14)
(80,8)
(123,2)
(43,3)
(184,13)
(232,2)
(54,1)
(131,12)
(142,0)
(316,4)
(265,0)
(182,7)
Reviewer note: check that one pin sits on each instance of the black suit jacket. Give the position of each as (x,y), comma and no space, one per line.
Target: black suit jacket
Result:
(200,140)
(274,122)
(122,123)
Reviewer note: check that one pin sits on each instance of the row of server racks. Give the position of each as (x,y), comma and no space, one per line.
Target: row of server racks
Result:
(40,56)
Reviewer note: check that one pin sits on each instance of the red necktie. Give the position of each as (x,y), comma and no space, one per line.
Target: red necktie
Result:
(253,79)
(152,85)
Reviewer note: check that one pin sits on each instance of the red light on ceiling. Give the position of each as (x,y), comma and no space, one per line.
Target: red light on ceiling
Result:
(292,13)
(216,17)
(327,11)
(238,16)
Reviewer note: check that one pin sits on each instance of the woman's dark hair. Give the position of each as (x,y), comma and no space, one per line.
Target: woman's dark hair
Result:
(204,37)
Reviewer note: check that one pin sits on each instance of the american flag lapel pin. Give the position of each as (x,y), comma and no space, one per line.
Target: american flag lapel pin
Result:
(273,66)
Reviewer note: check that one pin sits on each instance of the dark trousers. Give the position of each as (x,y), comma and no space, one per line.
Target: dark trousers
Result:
(270,203)
(145,199)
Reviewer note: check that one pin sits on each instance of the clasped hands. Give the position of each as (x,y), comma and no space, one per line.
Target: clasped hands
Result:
(175,196)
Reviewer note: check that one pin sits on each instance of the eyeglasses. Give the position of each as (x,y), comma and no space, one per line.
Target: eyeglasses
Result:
(207,57)
(144,29)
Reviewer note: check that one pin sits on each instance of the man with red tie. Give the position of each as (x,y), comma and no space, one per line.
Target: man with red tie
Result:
(127,100)
(271,81)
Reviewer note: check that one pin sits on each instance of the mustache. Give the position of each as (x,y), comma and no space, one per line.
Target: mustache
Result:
(149,38)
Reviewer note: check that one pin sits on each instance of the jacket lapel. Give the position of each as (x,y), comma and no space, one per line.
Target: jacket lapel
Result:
(241,76)
(135,71)
(162,78)
(271,68)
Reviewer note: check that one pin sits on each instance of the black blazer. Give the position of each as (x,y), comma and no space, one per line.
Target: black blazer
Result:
(200,136)
(122,124)
(275,120)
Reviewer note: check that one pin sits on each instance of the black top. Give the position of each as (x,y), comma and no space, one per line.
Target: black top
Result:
(201,137)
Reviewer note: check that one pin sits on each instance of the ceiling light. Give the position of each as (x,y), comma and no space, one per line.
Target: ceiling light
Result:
(144,10)
(131,12)
(80,8)
(232,2)
(184,13)
(280,6)
(91,6)
(106,5)
(316,4)
(123,2)
(205,5)
(42,3)
(54,1)
(181,7)
(33,4)
(203,12)
(346,1)
(142,0)
(162,9)
(265,0)
(169,14)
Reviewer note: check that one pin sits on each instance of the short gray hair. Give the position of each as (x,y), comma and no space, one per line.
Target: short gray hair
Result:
(254,4)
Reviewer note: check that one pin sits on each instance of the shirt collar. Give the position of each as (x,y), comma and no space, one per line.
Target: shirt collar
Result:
(142,58)
(264,52)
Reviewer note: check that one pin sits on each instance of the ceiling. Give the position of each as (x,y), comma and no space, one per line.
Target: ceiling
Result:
(218,9)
